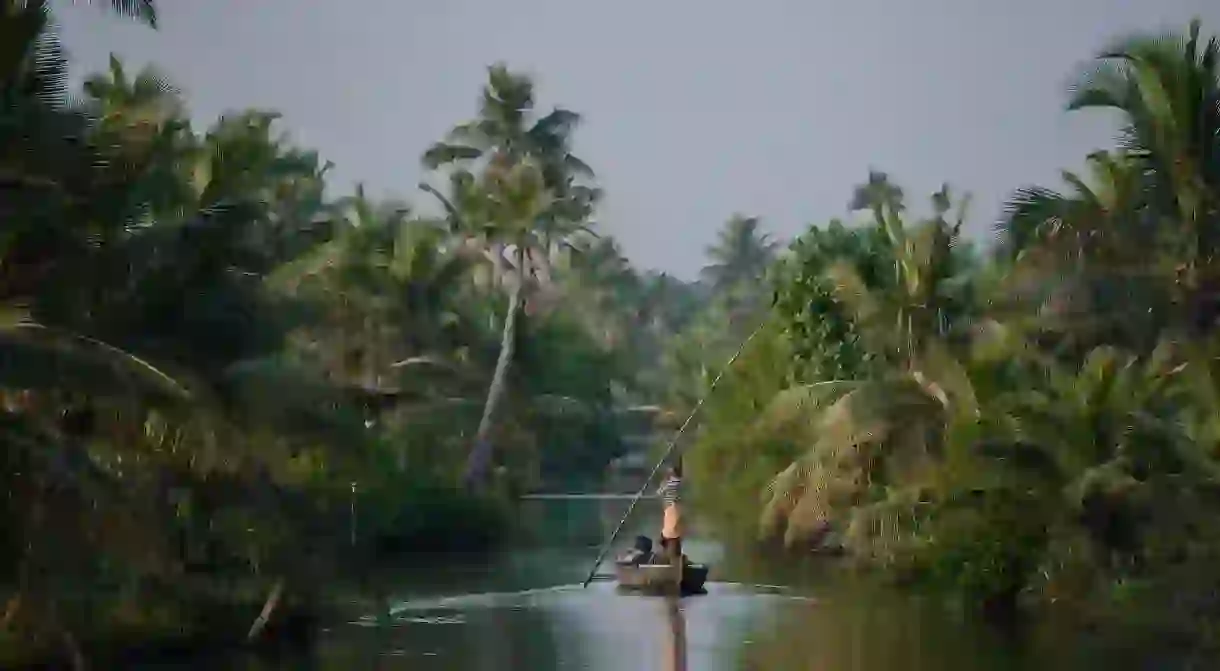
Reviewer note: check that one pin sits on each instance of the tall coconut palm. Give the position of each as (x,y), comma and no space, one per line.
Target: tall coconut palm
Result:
(526,199)
(503,206)
(741,253)
(506,131)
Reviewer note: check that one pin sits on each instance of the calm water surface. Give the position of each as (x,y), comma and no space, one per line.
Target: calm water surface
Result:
(525,609)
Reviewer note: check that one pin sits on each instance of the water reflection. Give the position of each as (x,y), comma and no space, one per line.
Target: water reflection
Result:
(598,629)
(733,627)
(675,651)
(526,610)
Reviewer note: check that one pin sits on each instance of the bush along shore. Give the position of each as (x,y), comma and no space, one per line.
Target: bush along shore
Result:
(1032,426)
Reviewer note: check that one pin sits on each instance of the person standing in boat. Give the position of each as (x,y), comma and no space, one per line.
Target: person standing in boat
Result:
(671,525)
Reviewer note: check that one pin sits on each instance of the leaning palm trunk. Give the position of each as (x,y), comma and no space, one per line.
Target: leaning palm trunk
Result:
(480,456)
(269,606)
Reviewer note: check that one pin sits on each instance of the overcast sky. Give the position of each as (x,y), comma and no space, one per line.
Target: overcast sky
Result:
(693,110)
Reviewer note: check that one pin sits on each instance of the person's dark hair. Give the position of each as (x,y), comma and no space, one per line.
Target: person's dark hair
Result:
(643,544)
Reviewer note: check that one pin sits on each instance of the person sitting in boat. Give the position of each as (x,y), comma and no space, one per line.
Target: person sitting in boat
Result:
(640,552)
(671,525)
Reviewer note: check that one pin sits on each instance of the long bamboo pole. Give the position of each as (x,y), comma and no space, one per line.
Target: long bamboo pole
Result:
(673,443)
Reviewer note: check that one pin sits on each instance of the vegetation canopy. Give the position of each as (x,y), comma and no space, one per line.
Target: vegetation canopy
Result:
(223,385)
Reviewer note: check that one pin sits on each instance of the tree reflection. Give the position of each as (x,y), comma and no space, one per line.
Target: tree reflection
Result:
(865,631)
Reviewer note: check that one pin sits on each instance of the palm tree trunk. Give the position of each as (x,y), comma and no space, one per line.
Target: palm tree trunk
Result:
(269,606)
(479,461)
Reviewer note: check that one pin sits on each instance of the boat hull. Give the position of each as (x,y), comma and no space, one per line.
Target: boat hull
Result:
(661,578)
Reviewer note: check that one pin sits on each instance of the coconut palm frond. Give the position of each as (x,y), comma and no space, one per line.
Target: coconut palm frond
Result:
(144,11)
(34,355)
(800,405)
(442,153)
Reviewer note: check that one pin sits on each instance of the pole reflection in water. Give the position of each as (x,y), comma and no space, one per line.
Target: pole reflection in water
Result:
(675,638)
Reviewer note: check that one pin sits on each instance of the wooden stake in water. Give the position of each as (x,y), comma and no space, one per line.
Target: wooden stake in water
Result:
(673,443)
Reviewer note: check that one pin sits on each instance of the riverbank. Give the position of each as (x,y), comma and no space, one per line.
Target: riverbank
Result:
(114,616)
(1164,622)
(206,617)
(141,629)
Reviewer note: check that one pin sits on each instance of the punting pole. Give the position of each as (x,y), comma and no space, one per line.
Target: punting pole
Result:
(673,443)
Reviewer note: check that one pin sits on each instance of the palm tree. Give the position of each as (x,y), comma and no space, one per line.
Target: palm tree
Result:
(502,207)
(1167,87)
(1093,261)
(877,194)
(604,289)
(505,132)
(526,200)
(1085,225)
(33,93)
(53,208)
(874,440)
(147,99)
(741,254)
(383,268)
(144,11)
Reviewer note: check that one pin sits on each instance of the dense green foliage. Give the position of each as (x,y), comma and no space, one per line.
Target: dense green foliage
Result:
(1033,428)
(223,386)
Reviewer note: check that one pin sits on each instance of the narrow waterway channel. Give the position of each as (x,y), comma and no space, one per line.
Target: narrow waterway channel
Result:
(525,609)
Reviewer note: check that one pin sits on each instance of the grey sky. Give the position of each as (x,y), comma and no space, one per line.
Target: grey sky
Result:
(693,110)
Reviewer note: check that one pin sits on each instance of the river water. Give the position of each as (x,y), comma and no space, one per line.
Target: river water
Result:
(525,609)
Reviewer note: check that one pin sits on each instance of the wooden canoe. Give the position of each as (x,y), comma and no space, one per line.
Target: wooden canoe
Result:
(661,578)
